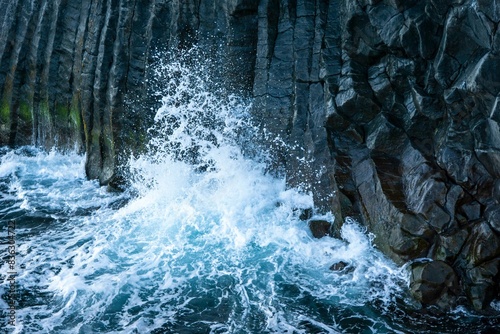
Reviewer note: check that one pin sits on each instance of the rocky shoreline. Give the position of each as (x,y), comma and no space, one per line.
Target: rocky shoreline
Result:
(393,104)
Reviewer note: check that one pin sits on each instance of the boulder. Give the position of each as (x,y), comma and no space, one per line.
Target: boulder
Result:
(320,228)
(342,267)
(434,283)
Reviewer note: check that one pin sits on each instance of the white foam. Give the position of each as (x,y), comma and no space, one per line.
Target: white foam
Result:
(7,168)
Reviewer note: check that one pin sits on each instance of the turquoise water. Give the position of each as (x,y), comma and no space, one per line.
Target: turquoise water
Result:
(220,254)
(200,254)
(204,241)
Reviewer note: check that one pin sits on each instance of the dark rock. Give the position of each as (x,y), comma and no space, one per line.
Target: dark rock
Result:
(67,67)
(342,267)
(434,283)
(306,214)
(496,191)
(472,210)
(339,266)
(487,136)
(417,226)
(422,179)
(320,228)
(483,245)
(388,21)
(117,184)
(381,85)
(482,284)
(449,246)
(478,263)
(493,217)
(406,246)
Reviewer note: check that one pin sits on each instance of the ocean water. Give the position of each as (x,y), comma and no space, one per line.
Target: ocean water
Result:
(205,240)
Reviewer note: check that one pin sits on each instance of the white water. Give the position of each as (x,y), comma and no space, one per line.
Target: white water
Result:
(210,243)
(211,247)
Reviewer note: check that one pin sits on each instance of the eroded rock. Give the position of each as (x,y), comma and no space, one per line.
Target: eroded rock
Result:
(320,228)
(342,267)
(434,283)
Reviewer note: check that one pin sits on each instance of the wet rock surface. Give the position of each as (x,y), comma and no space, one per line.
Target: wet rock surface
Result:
(390,109)
(342,267)
(320,228)
(434,283)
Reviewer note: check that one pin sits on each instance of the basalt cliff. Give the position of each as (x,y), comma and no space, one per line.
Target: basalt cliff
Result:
(393,105)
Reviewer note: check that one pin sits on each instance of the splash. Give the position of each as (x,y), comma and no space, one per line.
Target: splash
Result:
(213,206)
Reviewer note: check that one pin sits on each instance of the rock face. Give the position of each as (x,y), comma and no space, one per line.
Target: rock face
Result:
(390,109)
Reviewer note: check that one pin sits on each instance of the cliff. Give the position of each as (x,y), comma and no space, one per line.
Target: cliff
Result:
(393,106)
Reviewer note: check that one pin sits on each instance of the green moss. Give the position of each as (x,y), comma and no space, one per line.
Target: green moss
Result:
(25,112)
(62,112)
(4,112)
(95,138)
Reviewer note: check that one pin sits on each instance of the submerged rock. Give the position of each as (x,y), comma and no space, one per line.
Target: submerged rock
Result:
(342,267)
(306,214)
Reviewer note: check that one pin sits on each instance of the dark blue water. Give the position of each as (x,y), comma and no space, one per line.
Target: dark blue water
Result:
(205,241)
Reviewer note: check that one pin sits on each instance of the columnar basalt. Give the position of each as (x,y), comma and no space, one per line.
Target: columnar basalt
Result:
(67,67)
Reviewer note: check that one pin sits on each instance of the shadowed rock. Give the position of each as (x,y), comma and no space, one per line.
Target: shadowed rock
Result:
(320,228)
(434,283)
(342,267)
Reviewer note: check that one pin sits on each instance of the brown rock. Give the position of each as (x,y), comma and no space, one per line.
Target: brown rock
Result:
(320,228)
(342,266)
(434,283)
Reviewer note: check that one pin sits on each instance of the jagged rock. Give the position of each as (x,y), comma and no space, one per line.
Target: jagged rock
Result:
(320,228)
(434,283)
(479,264)
(482,285)
(416,225)
(66,68)
(342,267)
(483,245)
(493,217)
(449,246)
(472,210)
(406,246)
